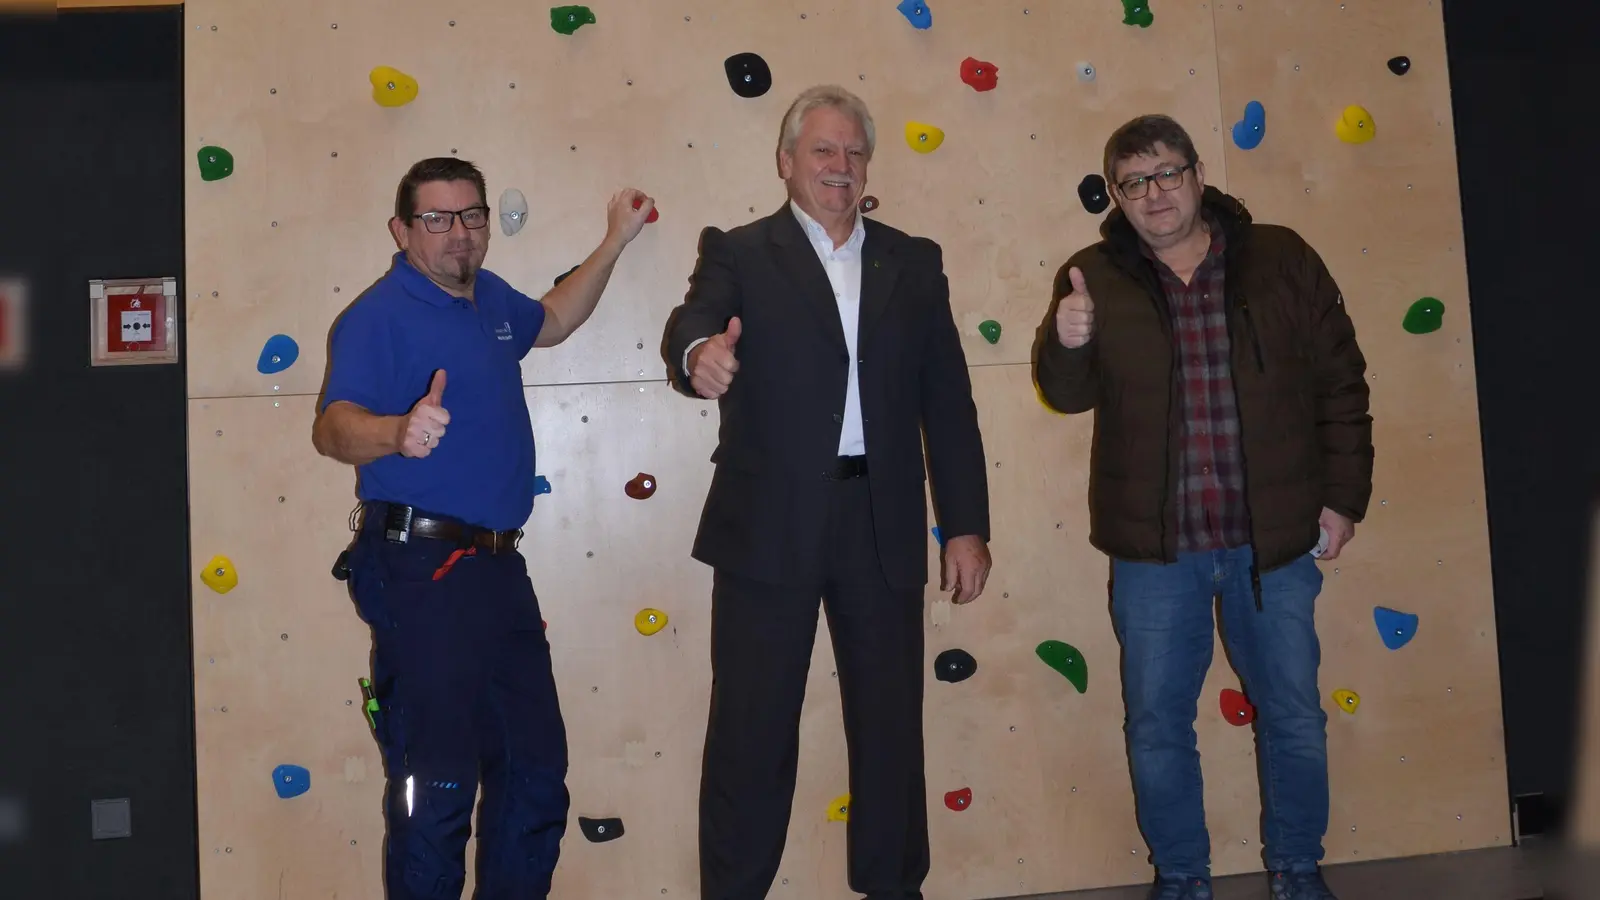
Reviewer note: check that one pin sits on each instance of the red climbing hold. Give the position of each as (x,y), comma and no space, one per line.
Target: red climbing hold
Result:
(1236,709)
(641,487)
(655,213)
(959,800)
(982,76)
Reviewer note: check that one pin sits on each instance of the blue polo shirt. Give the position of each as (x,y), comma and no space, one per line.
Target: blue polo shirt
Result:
(382,356)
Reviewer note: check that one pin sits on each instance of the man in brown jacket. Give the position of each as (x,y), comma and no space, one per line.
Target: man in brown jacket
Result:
(1232,445)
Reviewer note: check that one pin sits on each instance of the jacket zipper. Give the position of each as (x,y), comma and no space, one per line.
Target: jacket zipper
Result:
(1244,464)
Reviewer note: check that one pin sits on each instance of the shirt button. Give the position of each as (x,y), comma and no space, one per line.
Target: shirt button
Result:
(837,418)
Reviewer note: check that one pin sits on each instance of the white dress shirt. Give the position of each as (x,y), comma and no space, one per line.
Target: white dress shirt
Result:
(843,265)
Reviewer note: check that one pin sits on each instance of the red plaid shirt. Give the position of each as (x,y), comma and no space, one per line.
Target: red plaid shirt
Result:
(1212,513)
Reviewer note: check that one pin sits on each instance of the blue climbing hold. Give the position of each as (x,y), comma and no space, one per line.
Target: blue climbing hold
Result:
(1396,628)
(916,12)
(937,536)
(541,485)
(277,354)
(290,781)
(1248,132)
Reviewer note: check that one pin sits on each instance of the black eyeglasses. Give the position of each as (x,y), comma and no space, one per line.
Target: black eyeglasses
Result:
(440,221)
(1167,180)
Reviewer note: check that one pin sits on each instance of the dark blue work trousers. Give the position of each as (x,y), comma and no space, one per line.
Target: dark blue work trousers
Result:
(463,679)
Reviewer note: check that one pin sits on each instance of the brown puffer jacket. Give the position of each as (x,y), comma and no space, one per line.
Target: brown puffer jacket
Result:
(1298,374)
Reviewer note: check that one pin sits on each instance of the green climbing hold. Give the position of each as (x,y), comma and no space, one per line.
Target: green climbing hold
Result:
(990,329)
(1137,12)
(1066,659)
(215,163)
(567,19)
(1424,316)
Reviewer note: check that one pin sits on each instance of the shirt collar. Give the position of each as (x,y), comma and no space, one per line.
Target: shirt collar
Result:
(819,235)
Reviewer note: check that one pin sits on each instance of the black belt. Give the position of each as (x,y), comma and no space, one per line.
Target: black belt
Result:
(846,468)
(401,523)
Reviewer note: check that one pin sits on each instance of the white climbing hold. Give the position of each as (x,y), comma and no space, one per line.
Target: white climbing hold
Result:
(513,211)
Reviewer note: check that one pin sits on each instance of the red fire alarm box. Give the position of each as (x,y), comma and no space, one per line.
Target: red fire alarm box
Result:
(134,321)
(13,325)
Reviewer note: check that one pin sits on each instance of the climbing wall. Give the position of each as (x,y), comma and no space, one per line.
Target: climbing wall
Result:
(1305,109)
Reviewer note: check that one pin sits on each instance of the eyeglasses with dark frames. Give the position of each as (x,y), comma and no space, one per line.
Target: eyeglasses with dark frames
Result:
(439,221)
(1166,179)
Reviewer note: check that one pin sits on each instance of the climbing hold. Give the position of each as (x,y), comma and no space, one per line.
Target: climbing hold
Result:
(937,536)
(923,138)
(541,485)
(1236,709)
(1085,71)
(958,800)
(954,665)
(567,19)
(1400,65)
(1424,316)
(1092,192)
(1347,701)
(290,781)
(279,353)
(979,75)
(1248,132)
(839,809)
(917,13)
(513,211)
(1396,628)
(990,329)
(649,621)
(215,163)
(655,211)
(641,487)
(1355,126)
(868,203)
(598,831)
(1039,392)
(748,74)
(1066,659)
(219,574)
(1137,12)
(563,276)
(392,87)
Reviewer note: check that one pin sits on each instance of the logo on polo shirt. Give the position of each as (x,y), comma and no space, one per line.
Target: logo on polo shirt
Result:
(503,331)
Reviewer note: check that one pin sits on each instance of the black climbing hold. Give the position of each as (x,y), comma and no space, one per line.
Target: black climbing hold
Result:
(1400,65)
(341,566)
(748,74)
(563,276)
(954,665)
(598,831)
(1092,191)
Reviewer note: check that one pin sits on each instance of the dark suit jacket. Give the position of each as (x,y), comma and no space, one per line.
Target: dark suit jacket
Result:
(767,507)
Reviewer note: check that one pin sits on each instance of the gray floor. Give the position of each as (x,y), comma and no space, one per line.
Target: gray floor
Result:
(1500,874)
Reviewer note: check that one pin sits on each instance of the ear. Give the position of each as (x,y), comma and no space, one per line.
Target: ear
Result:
(399,232)
(785,164)
(1200,174)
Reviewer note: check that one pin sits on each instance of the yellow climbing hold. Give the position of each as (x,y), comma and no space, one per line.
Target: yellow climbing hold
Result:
(219,574)
(650,621)
(923,138)
(1347,700)
(1356,125)
(1039,392)
(839,809)
(392,87)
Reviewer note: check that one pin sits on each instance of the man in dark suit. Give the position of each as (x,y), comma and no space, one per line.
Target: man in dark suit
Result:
(829,344)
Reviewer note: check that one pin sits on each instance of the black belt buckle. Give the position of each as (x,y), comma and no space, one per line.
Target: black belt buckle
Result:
(397,523)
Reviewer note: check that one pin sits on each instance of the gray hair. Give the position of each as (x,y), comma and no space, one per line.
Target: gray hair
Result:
(820,96)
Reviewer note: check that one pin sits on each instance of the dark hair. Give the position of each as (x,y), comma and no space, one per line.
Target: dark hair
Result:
(1140,137)
(437,168)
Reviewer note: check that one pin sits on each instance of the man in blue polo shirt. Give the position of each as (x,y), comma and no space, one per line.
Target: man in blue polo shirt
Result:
(424,396)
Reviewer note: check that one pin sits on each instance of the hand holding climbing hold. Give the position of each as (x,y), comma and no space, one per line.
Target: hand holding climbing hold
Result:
(1400,65)
(278,353)
(1355,126)
(954,665)
(923,138)
(958,800)
(839,809)
(748,74)
(567,19)
(917,13)
(868,203)
(655,212)
(1092,194)
(513,211)
(392,87)
(1235,708)
(1248,132)
(1396,628)
(649,621)
(290,781)
(598,831)
(1137,12)
(1424,316)
(990,329)
(1347,701)
(1066,659)
(979,75)
(219,574)
(215,163)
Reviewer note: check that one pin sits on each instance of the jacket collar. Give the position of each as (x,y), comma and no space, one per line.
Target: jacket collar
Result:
(797,255)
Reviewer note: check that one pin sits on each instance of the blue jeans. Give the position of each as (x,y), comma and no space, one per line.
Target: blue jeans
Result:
(1163,619)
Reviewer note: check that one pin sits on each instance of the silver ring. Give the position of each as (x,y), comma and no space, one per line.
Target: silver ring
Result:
(426,437)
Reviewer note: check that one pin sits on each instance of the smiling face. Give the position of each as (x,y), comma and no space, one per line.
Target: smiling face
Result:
(450,258)
(1168,208)
(827,170)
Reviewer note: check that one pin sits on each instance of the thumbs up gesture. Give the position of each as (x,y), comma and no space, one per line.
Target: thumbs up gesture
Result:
(424,426)
(1075,315)
(712,364)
